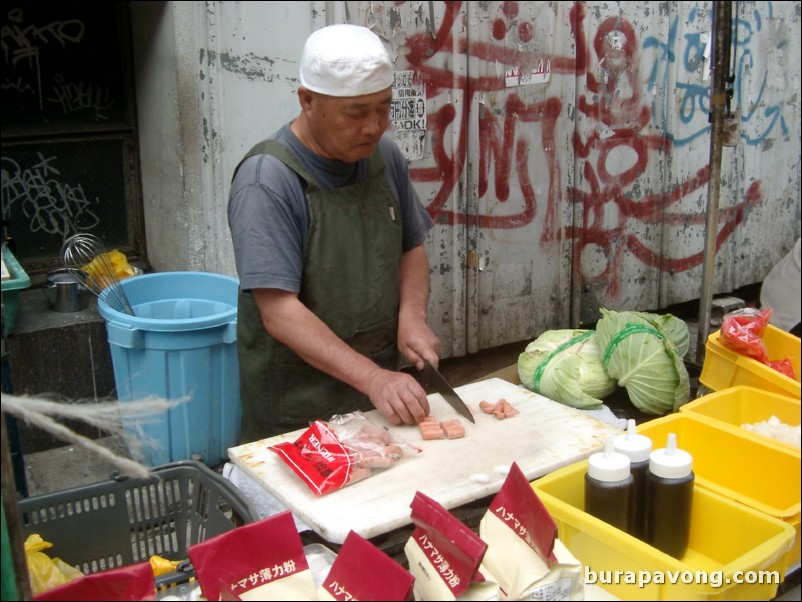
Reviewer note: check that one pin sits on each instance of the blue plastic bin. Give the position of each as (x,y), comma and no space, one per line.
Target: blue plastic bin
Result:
(182,343)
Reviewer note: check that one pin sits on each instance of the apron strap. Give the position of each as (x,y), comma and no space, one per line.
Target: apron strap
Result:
(276,149)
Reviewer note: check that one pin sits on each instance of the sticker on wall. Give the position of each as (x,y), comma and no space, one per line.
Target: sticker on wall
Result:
(540,74)
(708,71)
(408,113)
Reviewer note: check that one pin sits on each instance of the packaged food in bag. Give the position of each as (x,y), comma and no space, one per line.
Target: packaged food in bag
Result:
(523,552)
(362,571)
(742,331)
(346,449)
(445,556)
(264,560)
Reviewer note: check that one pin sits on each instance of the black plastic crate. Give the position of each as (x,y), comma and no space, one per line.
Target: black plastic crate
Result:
(127,520)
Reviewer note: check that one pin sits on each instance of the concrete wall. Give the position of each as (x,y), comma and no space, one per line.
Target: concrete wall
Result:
(63,357)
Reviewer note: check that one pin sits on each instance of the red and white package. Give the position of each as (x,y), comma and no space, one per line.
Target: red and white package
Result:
(264,560)
(445,556)
(347,449)
(132,582)
(524,554)
(362,571)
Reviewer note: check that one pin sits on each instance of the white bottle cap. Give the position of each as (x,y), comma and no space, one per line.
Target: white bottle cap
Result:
(637,447)
(670,462)
(609,465)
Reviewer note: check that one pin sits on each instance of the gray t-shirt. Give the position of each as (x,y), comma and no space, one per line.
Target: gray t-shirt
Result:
(269,218)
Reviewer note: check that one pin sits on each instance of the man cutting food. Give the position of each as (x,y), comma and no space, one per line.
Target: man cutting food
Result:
(328,237)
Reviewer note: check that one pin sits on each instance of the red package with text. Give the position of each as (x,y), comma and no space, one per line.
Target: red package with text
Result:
(132,582)
(362,571)
(264,560)
(524,554)
(330,455)
(445,556)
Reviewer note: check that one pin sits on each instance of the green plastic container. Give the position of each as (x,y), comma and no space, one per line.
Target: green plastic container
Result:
(17,281)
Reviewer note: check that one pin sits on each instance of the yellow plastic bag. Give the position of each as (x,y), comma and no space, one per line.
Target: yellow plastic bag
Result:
(44,572)
(162,566)
(106,268)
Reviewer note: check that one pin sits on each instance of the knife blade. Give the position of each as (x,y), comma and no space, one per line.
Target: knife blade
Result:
(436,380)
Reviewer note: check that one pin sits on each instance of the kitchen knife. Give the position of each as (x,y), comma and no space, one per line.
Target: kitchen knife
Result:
(436,380)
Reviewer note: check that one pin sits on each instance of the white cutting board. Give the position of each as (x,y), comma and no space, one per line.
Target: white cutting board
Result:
(546,435)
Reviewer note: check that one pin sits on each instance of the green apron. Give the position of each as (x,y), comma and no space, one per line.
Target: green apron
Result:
(351,274)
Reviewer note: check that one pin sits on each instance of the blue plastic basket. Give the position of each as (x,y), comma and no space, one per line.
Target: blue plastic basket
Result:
(181,344)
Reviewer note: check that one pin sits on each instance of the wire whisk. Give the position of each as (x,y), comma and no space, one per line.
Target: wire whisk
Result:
(85,254)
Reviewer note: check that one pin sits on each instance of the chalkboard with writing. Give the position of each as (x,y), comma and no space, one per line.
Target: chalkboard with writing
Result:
(53,190)
(63,68)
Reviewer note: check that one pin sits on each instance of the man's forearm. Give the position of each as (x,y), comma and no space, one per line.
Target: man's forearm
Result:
(414,296)
(290,322)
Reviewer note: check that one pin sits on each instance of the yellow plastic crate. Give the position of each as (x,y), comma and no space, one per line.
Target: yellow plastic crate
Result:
(758,472)
(726,538)
(723,367)
(740,405)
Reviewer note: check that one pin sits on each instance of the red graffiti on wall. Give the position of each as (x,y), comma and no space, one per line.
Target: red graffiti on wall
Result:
(622,126)
(624,121)
(496,147)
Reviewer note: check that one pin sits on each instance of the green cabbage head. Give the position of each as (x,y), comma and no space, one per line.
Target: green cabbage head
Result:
(643,352)
(566,366)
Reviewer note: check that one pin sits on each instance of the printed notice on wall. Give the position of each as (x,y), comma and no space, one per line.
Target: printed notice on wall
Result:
(408,114)
(539,74)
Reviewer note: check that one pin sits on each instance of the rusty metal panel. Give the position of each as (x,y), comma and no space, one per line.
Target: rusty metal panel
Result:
(678,58)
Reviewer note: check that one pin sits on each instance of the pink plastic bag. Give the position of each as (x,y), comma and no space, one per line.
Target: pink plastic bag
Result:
(742,331)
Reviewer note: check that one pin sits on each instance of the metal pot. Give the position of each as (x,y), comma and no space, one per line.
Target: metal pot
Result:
(64,291)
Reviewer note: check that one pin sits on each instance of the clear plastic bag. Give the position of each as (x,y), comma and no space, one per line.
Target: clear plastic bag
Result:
(344,450)
(742,331)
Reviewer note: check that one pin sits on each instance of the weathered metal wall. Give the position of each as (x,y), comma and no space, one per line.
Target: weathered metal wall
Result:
(641,165)
(562,148)
(567,154)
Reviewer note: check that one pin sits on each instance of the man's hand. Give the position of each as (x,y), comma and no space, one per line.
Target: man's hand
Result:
(398,396)
(417,343)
